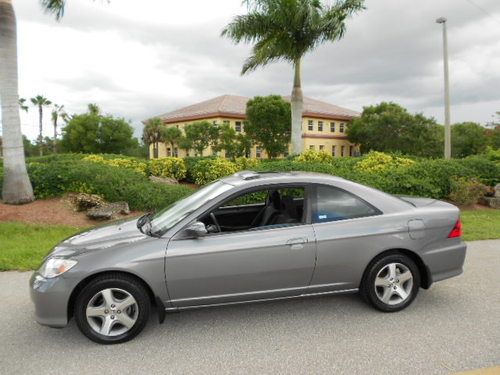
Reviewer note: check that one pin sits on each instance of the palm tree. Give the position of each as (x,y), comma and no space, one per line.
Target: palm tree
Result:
(153,134)
(40,102)
(93,109)
(22,105)
(287,30)
(16,184)
(171,136)
(57,112)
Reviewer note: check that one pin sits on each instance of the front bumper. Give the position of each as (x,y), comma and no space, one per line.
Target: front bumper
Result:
(51,297)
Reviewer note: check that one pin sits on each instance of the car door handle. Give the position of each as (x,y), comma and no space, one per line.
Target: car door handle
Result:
(297,243)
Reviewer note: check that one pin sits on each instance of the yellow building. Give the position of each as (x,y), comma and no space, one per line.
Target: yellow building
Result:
(324,125)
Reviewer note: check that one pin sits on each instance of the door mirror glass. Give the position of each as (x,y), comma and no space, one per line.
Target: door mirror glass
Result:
(195,229)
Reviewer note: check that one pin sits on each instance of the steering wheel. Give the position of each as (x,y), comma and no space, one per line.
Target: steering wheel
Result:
(214,221)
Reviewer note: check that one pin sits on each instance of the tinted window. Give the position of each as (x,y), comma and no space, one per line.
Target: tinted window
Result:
(334,204)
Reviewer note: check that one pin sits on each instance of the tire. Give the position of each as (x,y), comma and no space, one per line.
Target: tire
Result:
(388,286)
(98,309)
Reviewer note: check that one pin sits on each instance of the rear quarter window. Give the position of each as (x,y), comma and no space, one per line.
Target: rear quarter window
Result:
(333,204)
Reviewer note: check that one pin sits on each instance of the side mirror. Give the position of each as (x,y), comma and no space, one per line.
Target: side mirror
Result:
(195,229)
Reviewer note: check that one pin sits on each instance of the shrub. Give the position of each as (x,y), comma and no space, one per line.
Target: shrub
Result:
(168,167)
(209,170)
(315,157)
(110,182)
(378,161)
(243,163)
(485,170)
(126,163)
(191,162)
(466,191)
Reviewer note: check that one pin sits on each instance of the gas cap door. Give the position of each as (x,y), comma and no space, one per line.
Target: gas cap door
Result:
(416,229)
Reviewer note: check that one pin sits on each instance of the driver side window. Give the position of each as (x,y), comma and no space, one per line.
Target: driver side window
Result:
(271,207)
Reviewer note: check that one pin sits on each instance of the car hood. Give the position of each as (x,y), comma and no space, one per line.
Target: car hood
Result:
(101,237)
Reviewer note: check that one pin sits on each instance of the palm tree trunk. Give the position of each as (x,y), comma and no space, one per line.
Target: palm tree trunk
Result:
(40,136)
(297,103)
(54,147)
(16,184)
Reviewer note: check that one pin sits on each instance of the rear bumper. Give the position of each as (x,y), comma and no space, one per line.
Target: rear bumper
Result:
(446,261)
(51,297)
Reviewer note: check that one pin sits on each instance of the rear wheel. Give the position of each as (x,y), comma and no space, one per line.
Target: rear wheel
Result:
(391,283)
(112,309)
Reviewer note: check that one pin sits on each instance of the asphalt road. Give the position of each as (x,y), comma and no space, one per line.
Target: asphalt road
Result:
(452,327)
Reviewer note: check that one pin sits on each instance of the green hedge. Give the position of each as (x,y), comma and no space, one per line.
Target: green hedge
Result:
(69,174)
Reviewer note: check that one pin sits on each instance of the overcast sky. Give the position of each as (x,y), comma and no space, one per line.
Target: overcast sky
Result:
(139,59)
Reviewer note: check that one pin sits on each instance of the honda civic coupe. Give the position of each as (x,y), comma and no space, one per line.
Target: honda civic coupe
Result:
(245,238)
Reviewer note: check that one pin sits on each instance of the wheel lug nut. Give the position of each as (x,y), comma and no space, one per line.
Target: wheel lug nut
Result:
(106,311)
(119,311)
(112,316)
(112,306)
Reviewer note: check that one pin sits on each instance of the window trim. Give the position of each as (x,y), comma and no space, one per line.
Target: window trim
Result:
(314,205)
(308,190)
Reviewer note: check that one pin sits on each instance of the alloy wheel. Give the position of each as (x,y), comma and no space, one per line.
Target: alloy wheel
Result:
(393,283)
(112,312)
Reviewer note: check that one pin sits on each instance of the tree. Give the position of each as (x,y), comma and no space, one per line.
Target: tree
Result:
(467,138)
(287,30)
(57,111)
(243,145)
(93,109)
(152,134)
(493,137)
(16,188)
(388,127)
(94,133)
(201,134)
(268,123)
(185,144)
(22,105)
(171,135)
(227,141)
(40,101)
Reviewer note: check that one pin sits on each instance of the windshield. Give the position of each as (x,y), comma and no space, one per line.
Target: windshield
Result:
(168,217)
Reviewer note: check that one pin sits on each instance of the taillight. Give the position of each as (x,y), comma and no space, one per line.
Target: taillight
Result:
(457,230)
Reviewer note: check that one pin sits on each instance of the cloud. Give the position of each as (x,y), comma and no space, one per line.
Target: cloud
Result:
(139,60)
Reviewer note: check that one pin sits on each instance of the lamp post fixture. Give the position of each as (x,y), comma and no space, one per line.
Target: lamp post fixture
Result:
(447,130)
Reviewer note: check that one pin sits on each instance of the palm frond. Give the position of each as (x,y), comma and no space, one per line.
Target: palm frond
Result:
(55,7)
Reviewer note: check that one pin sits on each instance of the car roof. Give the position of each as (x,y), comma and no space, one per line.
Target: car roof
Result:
(246,177)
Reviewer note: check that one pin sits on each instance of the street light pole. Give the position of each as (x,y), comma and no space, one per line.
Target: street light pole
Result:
(447,130)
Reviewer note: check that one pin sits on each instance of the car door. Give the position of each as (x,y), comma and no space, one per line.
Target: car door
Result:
(349,231)
(269,262)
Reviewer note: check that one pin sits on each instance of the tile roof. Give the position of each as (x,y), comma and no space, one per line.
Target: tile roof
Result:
(234,106)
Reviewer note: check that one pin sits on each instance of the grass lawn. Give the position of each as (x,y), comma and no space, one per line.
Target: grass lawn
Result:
(22,246)
(480,224)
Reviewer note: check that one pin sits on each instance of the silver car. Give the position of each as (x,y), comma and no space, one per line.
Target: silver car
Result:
(249,237)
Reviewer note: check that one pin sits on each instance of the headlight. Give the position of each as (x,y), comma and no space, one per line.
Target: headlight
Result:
(56,266)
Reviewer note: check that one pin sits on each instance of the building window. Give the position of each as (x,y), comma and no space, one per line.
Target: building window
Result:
(176,152)
(341,127)
(169,151)
(310,125)
(311,147)
(332,128)
(320,126)
(333,151)
(342,150)
(214,122)
(258,152)
(351,151)
(225,122)
(286,153)
(321,147)
(237,126)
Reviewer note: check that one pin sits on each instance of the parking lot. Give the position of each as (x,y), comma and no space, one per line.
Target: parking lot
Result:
(453,326)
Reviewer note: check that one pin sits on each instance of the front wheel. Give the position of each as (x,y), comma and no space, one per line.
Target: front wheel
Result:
(112,309)
(391,283)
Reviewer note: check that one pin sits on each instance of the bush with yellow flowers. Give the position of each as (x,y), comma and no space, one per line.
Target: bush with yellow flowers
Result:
(118,162)
(168,167)
(314,156)
(378,161)
(208,170)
